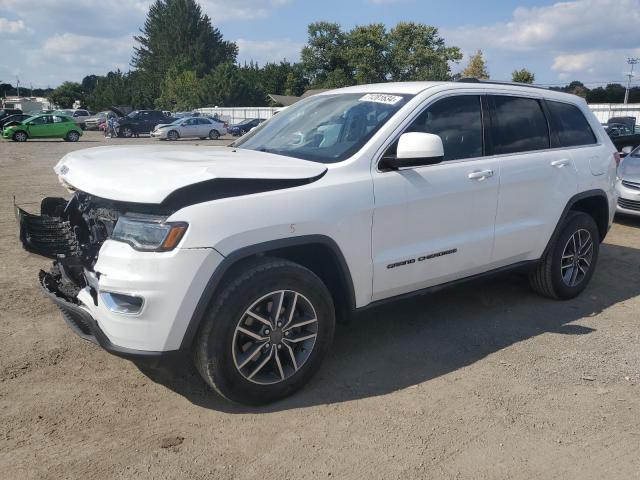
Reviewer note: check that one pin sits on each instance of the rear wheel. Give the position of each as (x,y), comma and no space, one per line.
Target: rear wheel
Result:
(214,135)
(20,136)
(173,135)
(568,265)
(72,136)
(266,333)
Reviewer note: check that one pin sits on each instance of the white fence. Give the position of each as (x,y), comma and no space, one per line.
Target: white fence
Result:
(237,114)
(604,111)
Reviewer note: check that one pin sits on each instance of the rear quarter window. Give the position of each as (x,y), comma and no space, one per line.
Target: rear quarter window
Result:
(570,126)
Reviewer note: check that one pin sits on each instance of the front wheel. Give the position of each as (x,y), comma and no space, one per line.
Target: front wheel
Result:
(173,135)
(126,132)
(266,332)
(72,136)
(568,265)
(214,135)
(20,136)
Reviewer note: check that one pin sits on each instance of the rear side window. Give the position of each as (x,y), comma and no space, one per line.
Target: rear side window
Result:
(570,126)
(518,125)
(458,122)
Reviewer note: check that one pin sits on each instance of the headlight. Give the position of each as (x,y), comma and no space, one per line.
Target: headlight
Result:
(148,233)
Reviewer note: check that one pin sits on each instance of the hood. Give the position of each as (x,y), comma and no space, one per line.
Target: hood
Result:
(144,174)
(629,168)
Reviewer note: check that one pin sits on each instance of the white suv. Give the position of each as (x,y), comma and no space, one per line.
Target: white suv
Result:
(245,255)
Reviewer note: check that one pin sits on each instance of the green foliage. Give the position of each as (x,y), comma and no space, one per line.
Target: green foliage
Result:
(370,53)
(66,94)
(230,86)
(523,76)
(477,67)
(176,34)
(180,91)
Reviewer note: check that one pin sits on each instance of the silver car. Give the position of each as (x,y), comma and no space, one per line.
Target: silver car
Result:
(199,127)
(628,184)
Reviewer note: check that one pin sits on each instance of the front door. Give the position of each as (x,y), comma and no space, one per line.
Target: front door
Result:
(40,127)
(435,223)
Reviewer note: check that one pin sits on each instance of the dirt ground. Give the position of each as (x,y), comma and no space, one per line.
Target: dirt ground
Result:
(482,381)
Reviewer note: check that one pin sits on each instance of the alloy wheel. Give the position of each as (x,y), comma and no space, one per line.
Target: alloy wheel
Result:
(21,137)
(576,258)
(274,337)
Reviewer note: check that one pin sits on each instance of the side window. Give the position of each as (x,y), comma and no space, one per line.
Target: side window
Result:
(57,119)
(202,121)
(518,125)
(569,124)
(458,122)
(40,120)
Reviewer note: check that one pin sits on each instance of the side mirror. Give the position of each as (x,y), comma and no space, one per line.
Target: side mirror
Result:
(626,150)
(415,149)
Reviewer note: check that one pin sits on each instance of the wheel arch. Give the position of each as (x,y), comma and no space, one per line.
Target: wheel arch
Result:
(592,202)
(318,253)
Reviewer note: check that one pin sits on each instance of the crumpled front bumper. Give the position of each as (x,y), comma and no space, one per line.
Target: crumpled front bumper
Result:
(85,326)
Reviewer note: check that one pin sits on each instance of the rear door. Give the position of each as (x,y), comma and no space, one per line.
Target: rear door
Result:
(204,126)
(435,223)
(537,179)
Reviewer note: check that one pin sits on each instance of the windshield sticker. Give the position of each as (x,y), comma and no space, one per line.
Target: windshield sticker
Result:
(380,98)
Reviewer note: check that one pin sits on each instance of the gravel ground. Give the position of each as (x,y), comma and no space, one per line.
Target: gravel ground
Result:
(481,381)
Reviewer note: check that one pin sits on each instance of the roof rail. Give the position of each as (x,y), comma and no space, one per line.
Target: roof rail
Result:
(498,82)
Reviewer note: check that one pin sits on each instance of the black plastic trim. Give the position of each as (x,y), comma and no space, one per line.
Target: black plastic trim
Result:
(529,264)
(242,253)
(572,201)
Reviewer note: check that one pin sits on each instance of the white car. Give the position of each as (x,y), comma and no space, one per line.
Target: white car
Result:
(244,256)
(628,184)
(198,127)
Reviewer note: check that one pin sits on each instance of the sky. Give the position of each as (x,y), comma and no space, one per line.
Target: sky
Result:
(46,42)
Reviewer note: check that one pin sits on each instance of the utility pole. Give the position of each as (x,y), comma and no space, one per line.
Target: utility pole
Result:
(31,85)
(18,85)
(632,62)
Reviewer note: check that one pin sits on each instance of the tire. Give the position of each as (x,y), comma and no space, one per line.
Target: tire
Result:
(126,132)
(561,275)
(173,135)
(72,136)
(20,136)
(256,372)
(214,135)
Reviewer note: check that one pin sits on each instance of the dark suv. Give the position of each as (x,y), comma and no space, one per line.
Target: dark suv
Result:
(141,121)
(5,112)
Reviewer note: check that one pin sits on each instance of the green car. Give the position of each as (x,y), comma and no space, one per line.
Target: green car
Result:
(44,126)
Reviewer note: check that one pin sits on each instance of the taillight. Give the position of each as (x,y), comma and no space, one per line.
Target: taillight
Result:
(226,125)
(616,157)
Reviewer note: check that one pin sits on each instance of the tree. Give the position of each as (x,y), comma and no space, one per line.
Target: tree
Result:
(418,52)
(523,76)
(180,91)
(476,68)
(177,34)
(324,53)
(66,94)
(366,53)
(227,86)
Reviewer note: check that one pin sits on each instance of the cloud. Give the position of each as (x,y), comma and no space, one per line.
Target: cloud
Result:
(224,10)
(268,51)
(9,26)
(582,37)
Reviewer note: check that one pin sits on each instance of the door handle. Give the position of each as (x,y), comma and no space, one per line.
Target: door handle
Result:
(560,163)
(480,175)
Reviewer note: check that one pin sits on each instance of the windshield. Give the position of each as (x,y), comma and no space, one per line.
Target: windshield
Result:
(133,114)
(324,128)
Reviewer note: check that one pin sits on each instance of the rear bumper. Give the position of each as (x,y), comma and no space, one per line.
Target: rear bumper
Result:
(85,326)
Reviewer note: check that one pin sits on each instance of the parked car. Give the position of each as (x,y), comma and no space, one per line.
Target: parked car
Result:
(78,115)
(242,257)
(13,119)
(628,184)
(44,126)
(623,132)
(5,112)
(245,126)
(93,122)
(142,121)
(199,127)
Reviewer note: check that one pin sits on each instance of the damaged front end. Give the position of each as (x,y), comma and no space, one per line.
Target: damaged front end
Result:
(71,232)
